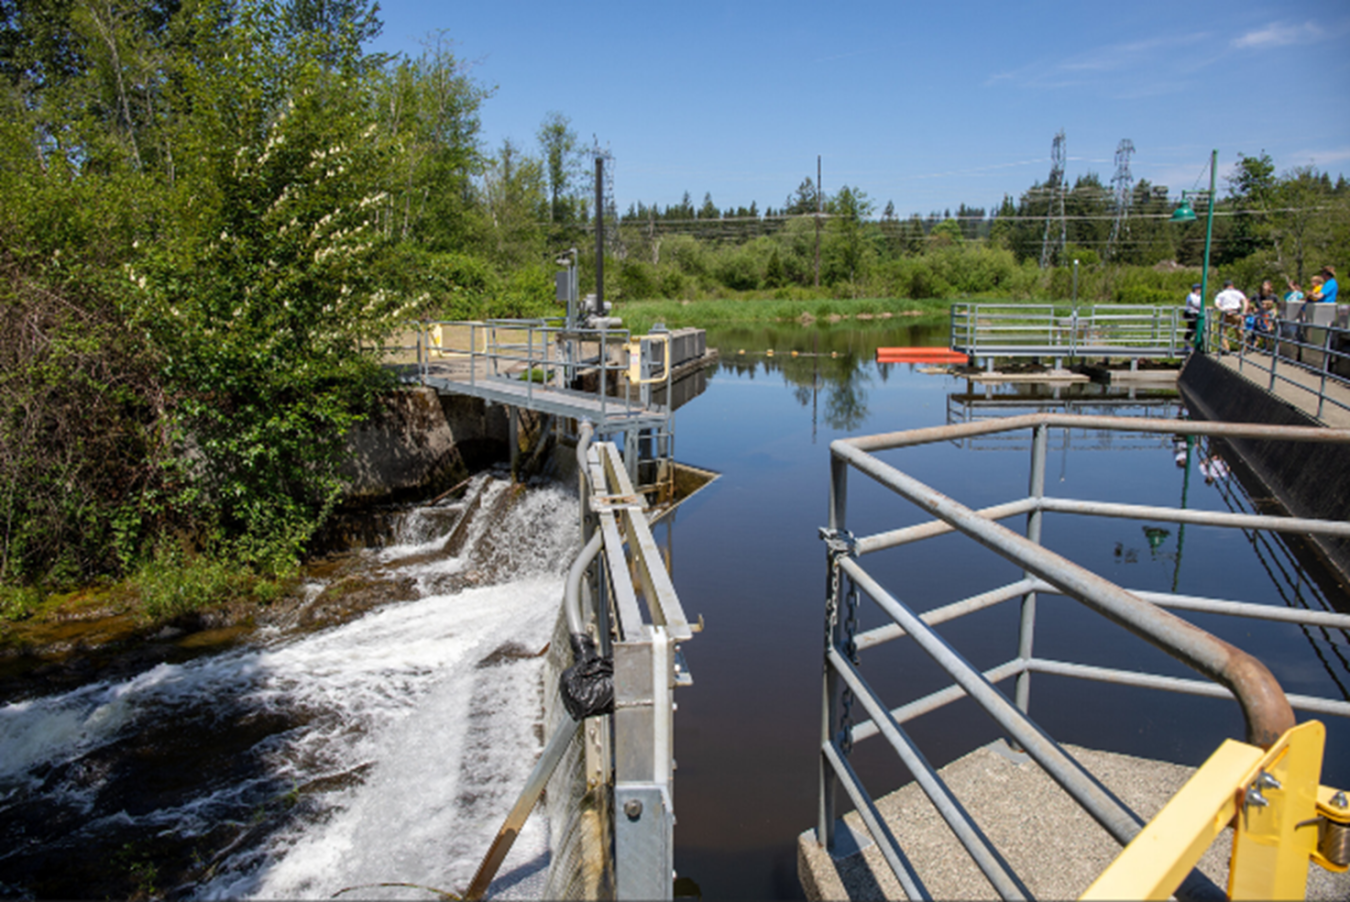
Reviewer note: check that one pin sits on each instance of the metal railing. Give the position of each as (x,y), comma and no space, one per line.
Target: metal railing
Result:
(1305,360)
(604,375)
(628,745)
(1045,330)
(1228,671)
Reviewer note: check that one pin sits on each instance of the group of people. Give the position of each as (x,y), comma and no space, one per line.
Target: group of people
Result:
(1256,314)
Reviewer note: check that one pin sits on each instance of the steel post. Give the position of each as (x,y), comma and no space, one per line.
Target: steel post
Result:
(513,439)
(830,684)
(1027,629)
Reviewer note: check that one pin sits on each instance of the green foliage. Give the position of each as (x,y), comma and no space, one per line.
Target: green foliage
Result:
(171,584)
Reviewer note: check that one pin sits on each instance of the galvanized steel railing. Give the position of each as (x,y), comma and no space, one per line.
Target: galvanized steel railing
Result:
(1229,672)
(1044,330)
(630,747)
(1305,358)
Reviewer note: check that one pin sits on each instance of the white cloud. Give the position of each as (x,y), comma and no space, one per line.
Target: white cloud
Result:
(1320,158)
(1280,34)
(1102,64)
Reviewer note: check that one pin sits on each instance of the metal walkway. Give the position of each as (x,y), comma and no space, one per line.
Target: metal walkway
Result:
(987,331)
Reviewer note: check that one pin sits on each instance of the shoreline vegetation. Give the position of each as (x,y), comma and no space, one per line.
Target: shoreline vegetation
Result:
(214,213)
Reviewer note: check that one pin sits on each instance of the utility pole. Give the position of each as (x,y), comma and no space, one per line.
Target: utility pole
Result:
(820,205)
(599,234)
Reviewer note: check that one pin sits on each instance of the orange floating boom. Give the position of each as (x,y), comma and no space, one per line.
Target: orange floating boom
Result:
(920,355)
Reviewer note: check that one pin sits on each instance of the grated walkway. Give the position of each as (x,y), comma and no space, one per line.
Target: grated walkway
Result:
(1051,844)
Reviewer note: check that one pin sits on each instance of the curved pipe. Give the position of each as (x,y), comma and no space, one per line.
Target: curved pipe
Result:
(1264,705)
(576,624)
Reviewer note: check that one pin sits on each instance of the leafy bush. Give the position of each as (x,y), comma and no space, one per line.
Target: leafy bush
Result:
(172,584)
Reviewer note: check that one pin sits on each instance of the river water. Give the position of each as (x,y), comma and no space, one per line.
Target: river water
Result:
(384,750)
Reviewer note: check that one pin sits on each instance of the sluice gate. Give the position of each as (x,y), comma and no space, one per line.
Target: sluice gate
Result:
(1265,787)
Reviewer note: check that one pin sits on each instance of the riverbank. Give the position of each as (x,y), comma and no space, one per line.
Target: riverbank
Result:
(639,316)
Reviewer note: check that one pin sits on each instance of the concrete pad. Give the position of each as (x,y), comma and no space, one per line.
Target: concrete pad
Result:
(1048,376)
(1053,846)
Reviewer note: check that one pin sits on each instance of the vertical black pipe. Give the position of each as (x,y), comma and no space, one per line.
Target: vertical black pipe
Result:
(600,235)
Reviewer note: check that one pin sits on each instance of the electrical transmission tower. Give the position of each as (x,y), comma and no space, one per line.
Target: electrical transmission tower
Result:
(1122,187)
(1055,191)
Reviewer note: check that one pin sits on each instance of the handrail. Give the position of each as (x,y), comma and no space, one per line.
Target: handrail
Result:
(1288,345)
(1049,330)
(1229,671)
(1264,707)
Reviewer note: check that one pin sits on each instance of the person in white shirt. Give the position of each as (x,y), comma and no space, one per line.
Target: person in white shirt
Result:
(1191,314)
(1232,306)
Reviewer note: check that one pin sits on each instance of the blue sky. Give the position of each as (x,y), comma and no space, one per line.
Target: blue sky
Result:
(928,105)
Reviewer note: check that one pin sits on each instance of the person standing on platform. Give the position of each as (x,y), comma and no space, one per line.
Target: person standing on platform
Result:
(1191,314)
(1232,306)
(1327,293)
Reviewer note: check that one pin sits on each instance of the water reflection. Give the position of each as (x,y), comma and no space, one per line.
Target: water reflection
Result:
(828,369)
(991,401)
(1295,568)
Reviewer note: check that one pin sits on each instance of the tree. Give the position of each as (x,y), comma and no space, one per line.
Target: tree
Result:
(1251,189)
(709,209)
(803,200)
(558,142)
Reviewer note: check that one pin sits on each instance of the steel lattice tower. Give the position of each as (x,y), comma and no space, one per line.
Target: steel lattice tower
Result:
(1122,188)
(1054,187)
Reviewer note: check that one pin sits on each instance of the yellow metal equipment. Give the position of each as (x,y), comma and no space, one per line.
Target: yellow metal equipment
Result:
(635,355)
(1281,819)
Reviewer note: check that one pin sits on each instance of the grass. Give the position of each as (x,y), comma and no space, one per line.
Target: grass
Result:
(167,586)
(639,316)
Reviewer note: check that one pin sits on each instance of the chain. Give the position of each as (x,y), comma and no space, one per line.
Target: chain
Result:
(841,544)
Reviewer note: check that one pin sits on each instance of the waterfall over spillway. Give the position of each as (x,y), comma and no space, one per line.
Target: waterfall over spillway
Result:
(384,750)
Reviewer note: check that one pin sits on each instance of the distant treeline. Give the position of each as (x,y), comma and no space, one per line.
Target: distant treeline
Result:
(1267,226)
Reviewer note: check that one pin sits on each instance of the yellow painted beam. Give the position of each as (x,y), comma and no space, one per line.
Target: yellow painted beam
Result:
(1166,850)
(1273,842)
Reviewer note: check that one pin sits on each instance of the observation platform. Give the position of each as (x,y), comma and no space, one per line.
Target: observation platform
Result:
(1047,839)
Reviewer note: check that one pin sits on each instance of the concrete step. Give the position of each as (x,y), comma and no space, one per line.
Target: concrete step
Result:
(1055,847)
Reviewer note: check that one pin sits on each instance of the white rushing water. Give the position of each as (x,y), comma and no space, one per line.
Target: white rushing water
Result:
(405,734)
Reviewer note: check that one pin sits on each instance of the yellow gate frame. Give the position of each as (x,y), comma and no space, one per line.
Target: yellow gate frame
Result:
(1281,818)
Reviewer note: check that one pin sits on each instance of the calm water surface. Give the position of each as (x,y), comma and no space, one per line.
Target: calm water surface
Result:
(747,557)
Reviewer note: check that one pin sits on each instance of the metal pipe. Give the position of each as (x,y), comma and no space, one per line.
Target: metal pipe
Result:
(981,850)
(1100,802)
(1027,626)
(876,825)
(576,623)
(939,699)
(1175,684)
(1230,608)
(829,703)
(1263,703)
(891,631)
(515,820)
(908,534)
(913,437)
(1204,518)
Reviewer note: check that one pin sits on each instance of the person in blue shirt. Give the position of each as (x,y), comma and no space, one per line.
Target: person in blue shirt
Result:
(1327,294)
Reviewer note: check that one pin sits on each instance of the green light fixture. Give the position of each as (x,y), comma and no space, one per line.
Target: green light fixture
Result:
(1184,213)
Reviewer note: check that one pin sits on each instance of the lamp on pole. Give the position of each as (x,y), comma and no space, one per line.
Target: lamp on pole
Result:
(1184,213)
